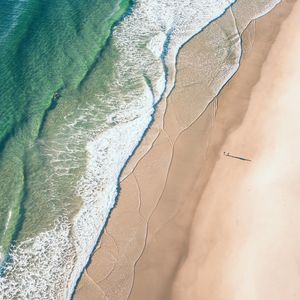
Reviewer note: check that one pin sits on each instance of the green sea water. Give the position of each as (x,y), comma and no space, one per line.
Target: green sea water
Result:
(47,47)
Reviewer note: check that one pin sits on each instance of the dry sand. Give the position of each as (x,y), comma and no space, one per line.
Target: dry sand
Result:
(245,240)
(192,223)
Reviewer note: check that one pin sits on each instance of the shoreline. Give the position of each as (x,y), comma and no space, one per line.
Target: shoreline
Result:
(170,79)
(129,170)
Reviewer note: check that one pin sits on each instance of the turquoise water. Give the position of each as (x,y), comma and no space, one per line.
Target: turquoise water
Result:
(45,47)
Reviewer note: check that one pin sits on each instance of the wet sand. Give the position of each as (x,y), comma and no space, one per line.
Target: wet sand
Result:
(192,223)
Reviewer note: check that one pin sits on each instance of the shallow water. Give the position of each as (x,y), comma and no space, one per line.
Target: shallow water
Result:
(46,47)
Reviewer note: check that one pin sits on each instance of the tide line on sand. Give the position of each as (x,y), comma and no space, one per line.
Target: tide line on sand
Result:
(176,163)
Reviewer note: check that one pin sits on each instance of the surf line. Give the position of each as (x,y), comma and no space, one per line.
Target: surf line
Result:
(236,157)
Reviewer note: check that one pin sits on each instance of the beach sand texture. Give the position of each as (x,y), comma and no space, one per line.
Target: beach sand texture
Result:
(190,222)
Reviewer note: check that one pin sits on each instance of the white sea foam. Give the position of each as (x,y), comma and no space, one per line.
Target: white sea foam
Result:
(148,41)
(37,264)
(156,44)
(7,221)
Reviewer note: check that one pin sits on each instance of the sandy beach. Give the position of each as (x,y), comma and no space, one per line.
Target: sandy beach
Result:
(191,222)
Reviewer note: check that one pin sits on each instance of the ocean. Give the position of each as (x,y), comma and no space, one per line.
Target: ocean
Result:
(79,84)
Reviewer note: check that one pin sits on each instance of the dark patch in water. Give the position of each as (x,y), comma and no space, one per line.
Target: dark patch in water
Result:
(53,104)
